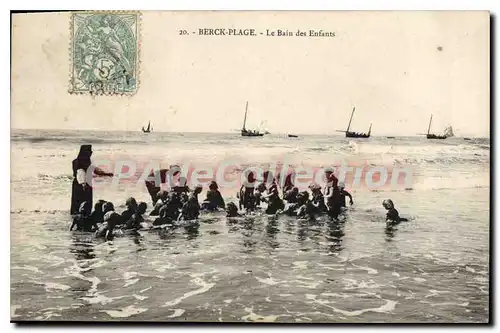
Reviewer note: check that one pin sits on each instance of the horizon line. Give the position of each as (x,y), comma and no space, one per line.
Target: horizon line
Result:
(228,132)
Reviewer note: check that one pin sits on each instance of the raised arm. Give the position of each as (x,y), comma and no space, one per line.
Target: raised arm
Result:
(101,172)
(350,197)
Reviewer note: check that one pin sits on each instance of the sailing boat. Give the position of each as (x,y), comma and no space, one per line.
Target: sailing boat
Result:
(244,131)
(349,134)
(448,132)
(149,129)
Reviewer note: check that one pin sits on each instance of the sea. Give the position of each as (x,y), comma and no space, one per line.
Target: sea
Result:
(435,268)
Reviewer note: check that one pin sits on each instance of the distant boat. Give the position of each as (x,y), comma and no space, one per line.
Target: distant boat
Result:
(149,129)
(246,132)
(448,132)
(468,139)
(292,136)
(390,137)
(349,134)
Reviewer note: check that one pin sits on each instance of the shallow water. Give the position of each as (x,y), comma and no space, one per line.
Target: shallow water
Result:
(434,268)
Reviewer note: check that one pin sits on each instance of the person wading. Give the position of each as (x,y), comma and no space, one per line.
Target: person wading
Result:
(81,190)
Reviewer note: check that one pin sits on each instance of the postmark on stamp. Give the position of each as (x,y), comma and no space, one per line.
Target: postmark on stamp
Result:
(104,53)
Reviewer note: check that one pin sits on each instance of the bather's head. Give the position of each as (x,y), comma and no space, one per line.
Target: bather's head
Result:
(99,205)
(198,189)
(108,207)
(131,204)
(141,208)
(388,204)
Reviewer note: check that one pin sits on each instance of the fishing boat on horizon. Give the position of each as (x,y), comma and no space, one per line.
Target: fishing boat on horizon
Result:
(292,136)
(349,134)
(149,129)
(246,132)
(448,132)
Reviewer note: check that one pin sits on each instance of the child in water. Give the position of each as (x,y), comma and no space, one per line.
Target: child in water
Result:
(318,199)
(163,219)
(290,196)
(131,205)
(259,194)
(232,210)
(82,220)
(343,194)
(274,203)
(161,200)
(214,199)
(191,208)
(392,214)
(97,215)
(111,220)
(135,221)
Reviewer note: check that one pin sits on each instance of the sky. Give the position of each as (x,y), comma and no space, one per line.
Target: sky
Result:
(396,68)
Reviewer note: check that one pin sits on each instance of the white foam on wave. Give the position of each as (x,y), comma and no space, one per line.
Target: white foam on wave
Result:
(388,307)
(368,269)
(270,281)
(177,313)
(470,269)
(447,304)
(139,297)
(130,282)
(300,277)
(300,264)
(28,268)
(50,286)
(75,271)
(252,316)
(434,292)
(305,284)
(143,290)
(125,312)
(353,284)
(98,299)
(198,281)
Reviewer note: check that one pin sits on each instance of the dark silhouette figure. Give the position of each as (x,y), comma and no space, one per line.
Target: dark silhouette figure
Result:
(81,190)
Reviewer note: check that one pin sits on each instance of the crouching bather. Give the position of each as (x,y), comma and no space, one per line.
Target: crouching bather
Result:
(232,210)
(134,222)
(214,198)
(162,219)
(111,220)
(191,208)
(274,203)
(83,221)
(131,205)
(161,200)
(392,216)
(301,208)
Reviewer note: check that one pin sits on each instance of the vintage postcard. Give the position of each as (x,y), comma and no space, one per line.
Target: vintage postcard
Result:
(290,167)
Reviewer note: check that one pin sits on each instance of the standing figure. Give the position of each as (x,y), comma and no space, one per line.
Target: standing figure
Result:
(81,190)
(247,193)
(332,197)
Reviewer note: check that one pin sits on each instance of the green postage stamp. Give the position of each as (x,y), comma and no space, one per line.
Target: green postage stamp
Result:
(104,53)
